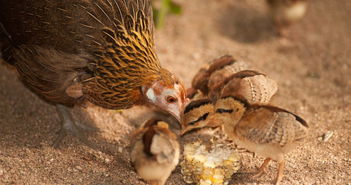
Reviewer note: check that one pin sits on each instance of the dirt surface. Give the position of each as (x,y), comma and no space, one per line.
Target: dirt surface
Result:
(313,71)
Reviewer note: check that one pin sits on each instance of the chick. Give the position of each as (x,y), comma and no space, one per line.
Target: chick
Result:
(286,12)
(230,77)
(205,159)
(195,94)
(219,69)
(221,74)
(155,151)
(266,130)
(196,112)
(251,85)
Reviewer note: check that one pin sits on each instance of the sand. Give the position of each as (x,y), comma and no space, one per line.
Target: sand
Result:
(313,71)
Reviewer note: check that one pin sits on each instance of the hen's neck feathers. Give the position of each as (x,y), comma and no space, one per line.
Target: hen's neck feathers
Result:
(126,60)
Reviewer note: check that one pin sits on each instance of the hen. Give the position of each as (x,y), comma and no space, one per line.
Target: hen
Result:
(100,51)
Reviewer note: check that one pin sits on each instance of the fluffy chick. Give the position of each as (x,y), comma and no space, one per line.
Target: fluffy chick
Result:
(253,86)
(218,69)
(155,151)
(286,12)
(195,94)
(266,130)
(196,112)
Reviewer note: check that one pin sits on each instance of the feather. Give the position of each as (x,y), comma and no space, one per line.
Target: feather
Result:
(108,42)
(271,125)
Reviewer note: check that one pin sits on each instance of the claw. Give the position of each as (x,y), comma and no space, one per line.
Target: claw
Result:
(280,173)
(69,126)
(261,170)
(60,135)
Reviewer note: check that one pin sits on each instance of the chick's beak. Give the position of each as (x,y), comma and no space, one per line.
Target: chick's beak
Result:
(184,131)
(213,121)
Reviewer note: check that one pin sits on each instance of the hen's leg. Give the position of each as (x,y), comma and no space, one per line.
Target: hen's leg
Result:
(69,125)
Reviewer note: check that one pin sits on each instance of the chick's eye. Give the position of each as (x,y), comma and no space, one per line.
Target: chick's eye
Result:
(224,110)
(171,99)
(202,118)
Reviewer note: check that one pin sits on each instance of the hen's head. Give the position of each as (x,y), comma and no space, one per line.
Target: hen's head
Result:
(166,93)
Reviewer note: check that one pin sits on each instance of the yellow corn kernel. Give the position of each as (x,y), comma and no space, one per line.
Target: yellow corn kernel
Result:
(212,165)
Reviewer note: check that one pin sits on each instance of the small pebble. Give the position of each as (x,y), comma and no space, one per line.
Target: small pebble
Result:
(79,168)
(326,136)
(107,160)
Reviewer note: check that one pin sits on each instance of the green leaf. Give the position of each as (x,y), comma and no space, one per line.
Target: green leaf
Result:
(167,7)
(175,8)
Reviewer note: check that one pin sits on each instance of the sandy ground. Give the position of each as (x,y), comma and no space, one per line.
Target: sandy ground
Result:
(313,73)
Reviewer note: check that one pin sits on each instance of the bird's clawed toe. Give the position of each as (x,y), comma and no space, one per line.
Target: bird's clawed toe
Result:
(262,170)
(259,173)
(70,126)
(280,173)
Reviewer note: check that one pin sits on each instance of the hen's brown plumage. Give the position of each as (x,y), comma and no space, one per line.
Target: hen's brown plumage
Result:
(96,50)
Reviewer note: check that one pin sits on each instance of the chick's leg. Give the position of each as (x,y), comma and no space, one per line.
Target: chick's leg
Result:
(69,125)
(280,172)
(261,170)
(155,182)
(281,27)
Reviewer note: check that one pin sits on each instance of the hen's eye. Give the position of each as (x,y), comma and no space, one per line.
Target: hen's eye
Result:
(171,99)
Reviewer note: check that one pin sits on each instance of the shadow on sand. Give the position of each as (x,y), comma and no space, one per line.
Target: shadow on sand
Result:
(245,24)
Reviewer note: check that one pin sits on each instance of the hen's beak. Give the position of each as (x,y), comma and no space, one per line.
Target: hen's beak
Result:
(176,115)
(178,112)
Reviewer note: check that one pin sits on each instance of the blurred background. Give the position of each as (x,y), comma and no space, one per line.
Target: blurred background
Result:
(311,65)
